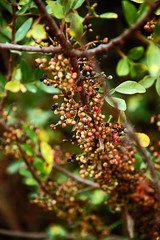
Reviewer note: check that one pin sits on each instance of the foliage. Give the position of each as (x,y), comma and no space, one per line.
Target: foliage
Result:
(93,165)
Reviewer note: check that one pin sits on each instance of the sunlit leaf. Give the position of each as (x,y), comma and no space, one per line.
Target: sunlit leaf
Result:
(23,88)
(31,182)
(147,81)
(108,15)
(37,32)
(144,140)
(122,117)
(153,60)
(157,12)
(76,27)
(48,155)
(123,67)
(138,1)
(56,230)
(130,87)
(13,86)
(97,197)
(121,104)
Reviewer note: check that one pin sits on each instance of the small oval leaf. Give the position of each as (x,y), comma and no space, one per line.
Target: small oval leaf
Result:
(147,81)
(56,8)
(153,60)
(123,67)
(130,87)
(136,53)
(121,104)
(21,32)
(109,15)
(48,154)
(144,140)
(13,86)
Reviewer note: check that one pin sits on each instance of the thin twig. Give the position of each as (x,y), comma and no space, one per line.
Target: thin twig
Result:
(147,159)
(78,53)
(32,170)
(24,48)
(91,184)
(40,235)
(31,235)
(11,59)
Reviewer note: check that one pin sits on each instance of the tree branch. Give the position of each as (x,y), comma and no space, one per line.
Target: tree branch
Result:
(78,179)
(64,43)
(31,169)
(31,235)
(30,48)
(11,59)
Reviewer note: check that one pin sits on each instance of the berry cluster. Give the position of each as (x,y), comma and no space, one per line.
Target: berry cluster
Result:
(67,206)
(106,154)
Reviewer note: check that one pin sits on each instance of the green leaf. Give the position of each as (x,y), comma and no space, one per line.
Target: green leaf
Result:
(136,53)
(142,11)
(31,182)
(39,164)
(130,87)
(28,149)
(156,35)
(48,89)
(6,5)
(158,86)
(130,12)
(23,9)
(31,88)
(13,86)
(123,67)
(2,81)
(14,166)
(77,3)
(97,197)
(26,71)
(56,8)
(108,15)
(25,173)
(76,26)
(153,60)
(121,104)
(30,133)
(6,32)
(147,81)
(21,32)
(67,5)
